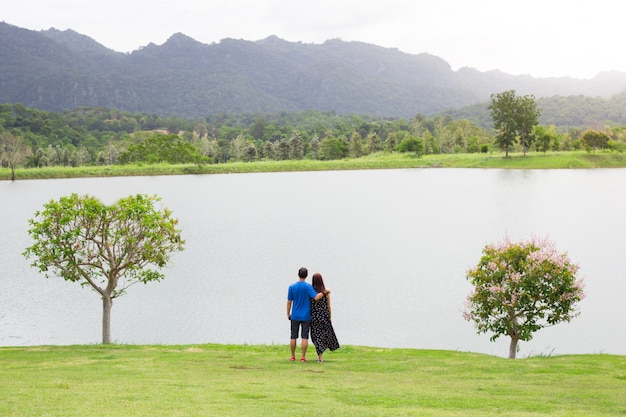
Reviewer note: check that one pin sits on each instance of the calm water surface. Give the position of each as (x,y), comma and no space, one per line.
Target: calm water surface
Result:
(393,245)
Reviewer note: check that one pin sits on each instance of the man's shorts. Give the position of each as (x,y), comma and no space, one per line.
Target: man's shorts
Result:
(295,326)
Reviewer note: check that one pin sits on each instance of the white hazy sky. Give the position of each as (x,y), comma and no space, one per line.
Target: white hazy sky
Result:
(543,38)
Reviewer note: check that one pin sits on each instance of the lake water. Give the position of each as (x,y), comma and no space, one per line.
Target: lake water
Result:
(393,246)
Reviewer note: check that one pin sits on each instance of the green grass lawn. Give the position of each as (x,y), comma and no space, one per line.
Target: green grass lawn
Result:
(230,380)
(533,160)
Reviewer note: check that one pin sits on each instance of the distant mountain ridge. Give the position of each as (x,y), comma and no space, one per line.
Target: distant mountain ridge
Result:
(56,70)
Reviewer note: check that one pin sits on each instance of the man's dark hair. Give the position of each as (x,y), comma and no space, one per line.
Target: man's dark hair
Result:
(303,272)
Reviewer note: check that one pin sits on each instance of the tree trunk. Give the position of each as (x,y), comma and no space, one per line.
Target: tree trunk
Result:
(12,173)
(513,347)
(107,303)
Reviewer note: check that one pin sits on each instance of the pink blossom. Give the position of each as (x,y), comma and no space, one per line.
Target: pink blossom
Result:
(495,289)
(515,277)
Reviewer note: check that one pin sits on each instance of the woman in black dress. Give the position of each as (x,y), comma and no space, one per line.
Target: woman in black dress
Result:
(322,332)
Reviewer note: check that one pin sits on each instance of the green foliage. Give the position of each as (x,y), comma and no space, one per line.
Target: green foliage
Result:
(547,138)
(332,148)
(522,287)
(514,118)
(593,140)
(527,116)
(82,240)
(162,148)
(411,144)
(502,109)
(617,146)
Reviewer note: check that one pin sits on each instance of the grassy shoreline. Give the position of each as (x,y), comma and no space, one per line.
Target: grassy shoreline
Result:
(533,160)
(255,380)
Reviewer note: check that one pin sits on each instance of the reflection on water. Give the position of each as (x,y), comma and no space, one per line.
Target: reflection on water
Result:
(393,245)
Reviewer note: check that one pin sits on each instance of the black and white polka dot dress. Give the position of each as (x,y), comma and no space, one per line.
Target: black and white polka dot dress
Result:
(322,332)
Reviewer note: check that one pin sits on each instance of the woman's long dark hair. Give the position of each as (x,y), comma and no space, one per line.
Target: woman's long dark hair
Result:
(318,282)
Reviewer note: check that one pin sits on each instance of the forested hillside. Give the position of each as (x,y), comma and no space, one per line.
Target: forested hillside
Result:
(64,70)
(576,111)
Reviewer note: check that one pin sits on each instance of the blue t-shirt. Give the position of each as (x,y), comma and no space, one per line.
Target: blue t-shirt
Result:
(300,294)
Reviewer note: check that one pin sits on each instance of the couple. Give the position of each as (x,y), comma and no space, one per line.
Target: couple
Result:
(308,309)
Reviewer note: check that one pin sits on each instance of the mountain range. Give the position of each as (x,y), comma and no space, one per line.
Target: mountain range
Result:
(57,70)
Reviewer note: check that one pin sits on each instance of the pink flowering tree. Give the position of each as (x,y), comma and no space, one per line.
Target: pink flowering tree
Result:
(521,287)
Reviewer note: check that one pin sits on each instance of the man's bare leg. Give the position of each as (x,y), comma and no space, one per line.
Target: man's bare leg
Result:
(292,345)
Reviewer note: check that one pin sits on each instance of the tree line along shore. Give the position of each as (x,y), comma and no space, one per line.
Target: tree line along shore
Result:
(104,142)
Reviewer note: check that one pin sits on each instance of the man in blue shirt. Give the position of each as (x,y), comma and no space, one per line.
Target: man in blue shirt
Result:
(299,311)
